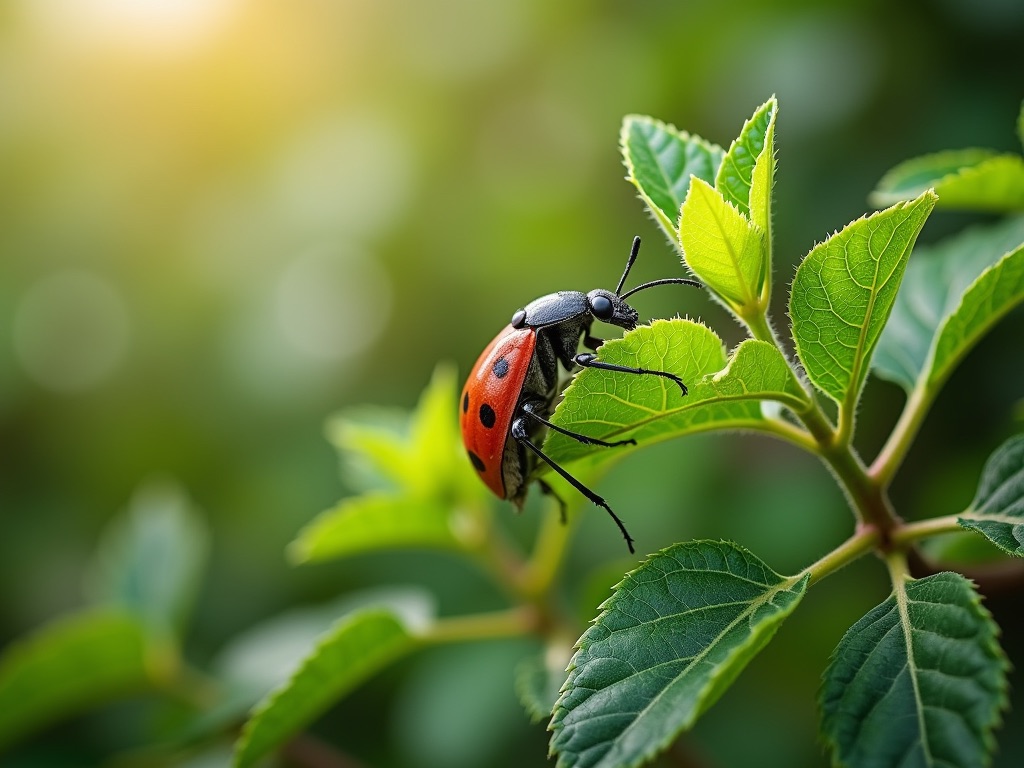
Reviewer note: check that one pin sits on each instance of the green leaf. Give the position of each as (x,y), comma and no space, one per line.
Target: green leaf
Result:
(919,681)
(671,639)
(659,162)
(538,680)
(614,406)
(966,179)
(997,511)
(68,667)
(735,178)
(150,562)
(357,647)
(722,247)
(422,456)
(952,294)
(431,497)
(381,521)
(844,290)
(1020,124)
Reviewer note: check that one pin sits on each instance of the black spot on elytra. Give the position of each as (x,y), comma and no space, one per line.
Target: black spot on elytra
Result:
(487,415)
(465,402)
(500,367)
(476,461)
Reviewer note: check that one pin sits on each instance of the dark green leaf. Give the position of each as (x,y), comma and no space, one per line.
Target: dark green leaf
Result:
(150,562)
(356,648)
(966,179)
(614,406)
(951,295)
(68,667)
(843,293)
(919,681)
(670,640)
(660,161)
(997,511)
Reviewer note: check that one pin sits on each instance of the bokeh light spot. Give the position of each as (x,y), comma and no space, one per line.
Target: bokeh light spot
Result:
(350,173)
(146,25)
(332,306)
(71,331)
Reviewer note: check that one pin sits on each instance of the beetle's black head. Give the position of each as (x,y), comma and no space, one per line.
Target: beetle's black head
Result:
(609,308)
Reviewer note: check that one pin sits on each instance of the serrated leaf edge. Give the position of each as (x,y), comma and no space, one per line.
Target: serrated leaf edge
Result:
(786,584)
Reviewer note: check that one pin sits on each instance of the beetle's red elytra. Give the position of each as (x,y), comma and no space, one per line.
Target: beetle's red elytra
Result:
(511,390)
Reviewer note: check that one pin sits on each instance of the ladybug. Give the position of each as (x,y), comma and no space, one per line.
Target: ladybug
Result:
(511,390)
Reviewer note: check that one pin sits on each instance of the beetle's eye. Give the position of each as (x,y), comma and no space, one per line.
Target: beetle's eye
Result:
(602,307)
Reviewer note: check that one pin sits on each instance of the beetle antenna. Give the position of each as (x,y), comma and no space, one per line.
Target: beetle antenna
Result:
(629,264)
(663,281)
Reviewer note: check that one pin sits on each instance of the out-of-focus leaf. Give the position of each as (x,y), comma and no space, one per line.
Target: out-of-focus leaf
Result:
(357,647)
(422,457)
(151,560)
(920,680)
(671,639)
(997,511)
(935,288)
(722,246)
(380,521)
(69,666)
(843,293)
(615,406)
(538,680)
(267,654)
(434,498)
(967,179)
(735,178)
(660,161)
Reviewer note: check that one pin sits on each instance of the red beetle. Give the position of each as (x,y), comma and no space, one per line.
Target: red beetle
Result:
(512,388)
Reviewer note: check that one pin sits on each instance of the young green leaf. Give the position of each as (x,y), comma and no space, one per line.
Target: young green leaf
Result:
(935,289)
(843,293)
(722,247)
(613,406)
(736,175)
(669,641)
(660,161)
(420,455)
(997,512)
(920,680)
(431,497)
(964,179)
(150,561)
(357,647)
(69,666)
(377,521)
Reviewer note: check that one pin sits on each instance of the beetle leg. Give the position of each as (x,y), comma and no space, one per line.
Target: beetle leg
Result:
(589,360)
(522,436)
(528,409)
(592,342)
(547,490)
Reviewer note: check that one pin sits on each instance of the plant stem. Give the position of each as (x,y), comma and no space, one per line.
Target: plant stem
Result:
(906,533)
(889,459)
(483,626)
(548,553)
(865,539)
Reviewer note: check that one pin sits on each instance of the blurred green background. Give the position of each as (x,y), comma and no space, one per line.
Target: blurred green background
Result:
(221,221)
